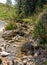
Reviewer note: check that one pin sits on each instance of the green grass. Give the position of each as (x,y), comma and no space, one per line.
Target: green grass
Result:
(10,26)
(6,12)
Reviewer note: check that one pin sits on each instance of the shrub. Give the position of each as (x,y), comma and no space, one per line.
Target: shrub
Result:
(11,26)
(40,29)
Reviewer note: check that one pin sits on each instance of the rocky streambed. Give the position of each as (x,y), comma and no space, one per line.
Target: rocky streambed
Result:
(18,47)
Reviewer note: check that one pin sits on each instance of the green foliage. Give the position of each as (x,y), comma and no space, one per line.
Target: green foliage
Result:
(40,3)
(40,30)
(39,34)
(27,20)
(26,8)
(11,26)
(18,19)
(7,13)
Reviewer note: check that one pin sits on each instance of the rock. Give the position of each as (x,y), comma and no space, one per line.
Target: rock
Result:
(16,38)
(27,48)
(11,41)
(8,34)
(22,30)
(40,61)
(15,45)
(30,63)
(25,60)
(24,25)
(4,54)
(28,60)
(36,54)
(18,62)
